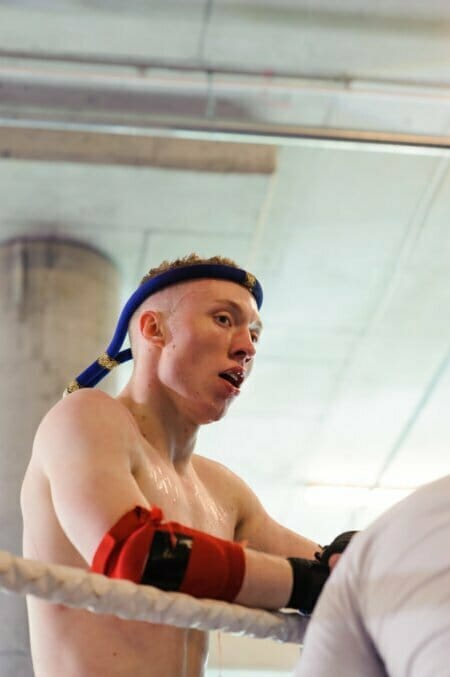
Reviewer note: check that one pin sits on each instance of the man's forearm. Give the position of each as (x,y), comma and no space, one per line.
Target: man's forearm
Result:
(274,582)
(267,581)
(144,548)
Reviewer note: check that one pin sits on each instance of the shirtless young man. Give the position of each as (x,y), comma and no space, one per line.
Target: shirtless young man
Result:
(98,461)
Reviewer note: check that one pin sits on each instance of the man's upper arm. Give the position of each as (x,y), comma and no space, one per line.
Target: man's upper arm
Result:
(82,446)
(261,532)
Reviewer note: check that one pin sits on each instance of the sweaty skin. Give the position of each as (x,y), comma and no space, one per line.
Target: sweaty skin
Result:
(96,457)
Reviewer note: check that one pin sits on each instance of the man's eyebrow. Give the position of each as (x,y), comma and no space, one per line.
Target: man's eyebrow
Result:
(238,308)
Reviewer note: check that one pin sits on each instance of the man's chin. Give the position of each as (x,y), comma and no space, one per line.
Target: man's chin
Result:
(215,414)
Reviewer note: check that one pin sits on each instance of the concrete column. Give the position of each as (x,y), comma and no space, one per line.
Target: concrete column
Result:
(58,308)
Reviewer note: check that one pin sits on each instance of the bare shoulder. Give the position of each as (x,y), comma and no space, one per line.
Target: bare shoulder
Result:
(207,468)
(219,476)
(83,405)
(86,417)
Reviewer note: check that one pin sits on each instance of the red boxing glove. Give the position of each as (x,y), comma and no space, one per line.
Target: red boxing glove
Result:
(170,556)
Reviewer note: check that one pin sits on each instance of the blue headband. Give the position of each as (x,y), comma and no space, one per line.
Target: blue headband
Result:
(113,356)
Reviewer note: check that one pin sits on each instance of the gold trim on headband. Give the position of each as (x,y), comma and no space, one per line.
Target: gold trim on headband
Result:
(250,281)
(107,362)
(73,385)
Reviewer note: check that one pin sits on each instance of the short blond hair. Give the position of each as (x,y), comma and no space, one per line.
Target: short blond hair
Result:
(190,260)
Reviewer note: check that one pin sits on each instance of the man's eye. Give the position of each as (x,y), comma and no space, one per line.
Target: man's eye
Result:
(224,320)
(255,337)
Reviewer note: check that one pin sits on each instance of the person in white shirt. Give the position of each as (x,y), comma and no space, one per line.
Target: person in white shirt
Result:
(386,608)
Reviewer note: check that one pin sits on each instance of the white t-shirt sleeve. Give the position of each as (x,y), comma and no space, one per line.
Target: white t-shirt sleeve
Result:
(336,642)
(386,608)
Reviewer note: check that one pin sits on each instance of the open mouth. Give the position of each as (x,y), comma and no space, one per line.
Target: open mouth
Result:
(233,376)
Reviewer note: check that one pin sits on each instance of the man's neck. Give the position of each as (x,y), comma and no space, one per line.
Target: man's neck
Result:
(165,428)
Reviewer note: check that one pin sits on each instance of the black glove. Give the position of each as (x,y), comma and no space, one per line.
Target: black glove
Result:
(310,575)
(336,547)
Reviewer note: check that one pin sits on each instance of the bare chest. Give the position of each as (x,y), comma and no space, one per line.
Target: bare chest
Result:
(190,500)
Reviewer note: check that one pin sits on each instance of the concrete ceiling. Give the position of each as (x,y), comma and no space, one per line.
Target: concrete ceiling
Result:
(351,240)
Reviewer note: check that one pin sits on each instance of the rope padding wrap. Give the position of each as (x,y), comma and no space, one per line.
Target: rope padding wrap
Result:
(78,588)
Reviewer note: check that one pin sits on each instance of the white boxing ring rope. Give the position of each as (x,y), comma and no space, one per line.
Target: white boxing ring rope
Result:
(79,588)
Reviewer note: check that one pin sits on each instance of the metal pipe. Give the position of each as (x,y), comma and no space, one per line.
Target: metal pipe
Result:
(240,132)
(208,69)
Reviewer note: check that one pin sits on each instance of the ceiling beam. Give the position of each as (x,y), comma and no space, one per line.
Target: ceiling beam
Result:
(69,144)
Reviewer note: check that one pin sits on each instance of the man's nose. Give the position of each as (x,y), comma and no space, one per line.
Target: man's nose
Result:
(244,346)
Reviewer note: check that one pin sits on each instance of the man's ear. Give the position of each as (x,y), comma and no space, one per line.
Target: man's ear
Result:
(151,327)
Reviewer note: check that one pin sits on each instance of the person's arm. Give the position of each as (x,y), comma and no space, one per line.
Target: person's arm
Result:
(83,448)
(257,529)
